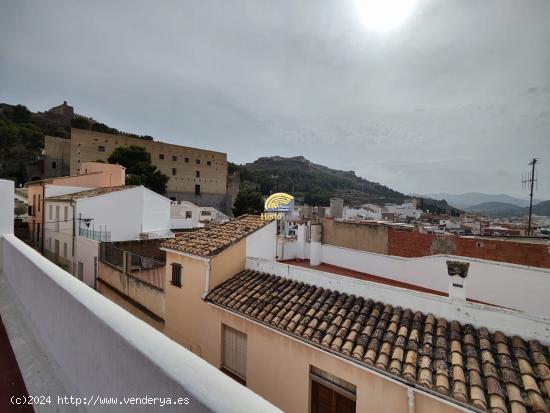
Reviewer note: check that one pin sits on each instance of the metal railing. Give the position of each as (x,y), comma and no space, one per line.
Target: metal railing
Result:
(96,235)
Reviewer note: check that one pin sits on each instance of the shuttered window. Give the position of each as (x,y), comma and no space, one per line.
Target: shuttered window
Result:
(234,352)
(176,275)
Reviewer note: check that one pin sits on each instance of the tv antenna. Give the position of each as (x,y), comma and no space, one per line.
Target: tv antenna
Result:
(530,181)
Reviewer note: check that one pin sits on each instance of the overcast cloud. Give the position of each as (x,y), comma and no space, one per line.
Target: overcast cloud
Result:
(456,99)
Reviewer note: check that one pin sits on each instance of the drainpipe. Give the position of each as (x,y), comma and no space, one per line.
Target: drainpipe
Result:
(206,278)
(410,400)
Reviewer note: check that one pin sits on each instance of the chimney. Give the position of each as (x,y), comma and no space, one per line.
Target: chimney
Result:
(316,249)
(458,271)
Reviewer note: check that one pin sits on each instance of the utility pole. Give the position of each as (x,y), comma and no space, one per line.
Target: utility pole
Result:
(529,181)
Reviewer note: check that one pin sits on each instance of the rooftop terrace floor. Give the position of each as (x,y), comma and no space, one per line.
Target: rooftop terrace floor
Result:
(368,277)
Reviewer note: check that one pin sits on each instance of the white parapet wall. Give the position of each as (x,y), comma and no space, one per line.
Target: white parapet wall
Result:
(494,318)
(105,351)
(101,349)
(508,285)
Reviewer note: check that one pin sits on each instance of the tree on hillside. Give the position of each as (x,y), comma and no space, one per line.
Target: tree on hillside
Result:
(248,201)
(80,122)
(139,170)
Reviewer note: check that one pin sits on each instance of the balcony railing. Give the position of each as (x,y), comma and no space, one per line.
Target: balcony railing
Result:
(96,235)
(101,350)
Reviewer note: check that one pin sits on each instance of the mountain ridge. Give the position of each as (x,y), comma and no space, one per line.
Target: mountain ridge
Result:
(315,184)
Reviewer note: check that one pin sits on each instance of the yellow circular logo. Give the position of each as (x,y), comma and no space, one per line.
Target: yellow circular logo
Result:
(279,202)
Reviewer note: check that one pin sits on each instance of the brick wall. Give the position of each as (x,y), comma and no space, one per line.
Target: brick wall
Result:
(415,244)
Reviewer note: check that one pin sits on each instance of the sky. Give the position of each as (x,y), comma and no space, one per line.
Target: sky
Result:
(429,96)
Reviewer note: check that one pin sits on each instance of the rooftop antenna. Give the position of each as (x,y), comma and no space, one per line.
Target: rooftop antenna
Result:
(529,179)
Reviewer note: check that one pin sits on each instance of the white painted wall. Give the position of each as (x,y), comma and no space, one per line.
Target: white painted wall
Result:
(494,318)
(287,248)
(61,231)
(126,213)
(508,285)
(126,357)
(156,211)
(263,242)
(87,251)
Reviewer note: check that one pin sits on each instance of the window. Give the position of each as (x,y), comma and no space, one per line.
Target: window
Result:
(56,248)
(330,394)
(65,249)
(174,157)
(101,148)
(66,214)
(197,174)
(234,353)
(80,273)
(161,156)
(208,163)
(174,171)
(39,202)
(51,214)
(54,165)
(188,214)
(33,205)
(197,189)
(57,218)
(172,198)
(198,161)
(176,275)
(186,160)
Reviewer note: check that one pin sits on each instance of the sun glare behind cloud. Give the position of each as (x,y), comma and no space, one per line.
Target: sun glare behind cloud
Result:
(384,15)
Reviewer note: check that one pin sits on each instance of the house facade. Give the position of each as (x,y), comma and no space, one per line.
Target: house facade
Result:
(312,343)
(92,175)
(83,219)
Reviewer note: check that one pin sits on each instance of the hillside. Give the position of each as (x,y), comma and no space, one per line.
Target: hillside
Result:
(471,199)
(507,209)
(315,184)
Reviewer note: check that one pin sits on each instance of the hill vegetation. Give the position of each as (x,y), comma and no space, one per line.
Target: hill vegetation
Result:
(315,184)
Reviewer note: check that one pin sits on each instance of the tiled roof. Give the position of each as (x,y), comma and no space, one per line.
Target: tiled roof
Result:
(211,241)
(89,193)
(489,371)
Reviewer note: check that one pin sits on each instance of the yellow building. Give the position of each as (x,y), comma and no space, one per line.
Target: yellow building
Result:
(196,175)
(307,348)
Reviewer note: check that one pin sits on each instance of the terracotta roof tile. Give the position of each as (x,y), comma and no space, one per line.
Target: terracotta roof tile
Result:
(211,241)
(471,365)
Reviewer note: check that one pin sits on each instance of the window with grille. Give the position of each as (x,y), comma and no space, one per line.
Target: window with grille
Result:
(176,275)
(234,353)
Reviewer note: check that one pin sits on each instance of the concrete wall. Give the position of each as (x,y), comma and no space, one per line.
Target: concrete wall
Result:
(494,318)
(488,281)
(138,291)
(263,243)
(358,236)
(102,350)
